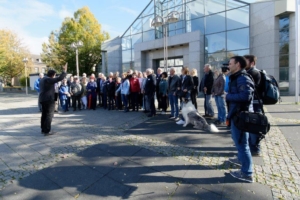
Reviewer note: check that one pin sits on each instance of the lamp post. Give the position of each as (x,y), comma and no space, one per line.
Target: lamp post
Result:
(159,21)
(76,45)
(25,61)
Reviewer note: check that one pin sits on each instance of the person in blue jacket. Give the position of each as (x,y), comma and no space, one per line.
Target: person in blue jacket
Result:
(64,94)
(37,88)
(240,94)
(92,92)
(125,90)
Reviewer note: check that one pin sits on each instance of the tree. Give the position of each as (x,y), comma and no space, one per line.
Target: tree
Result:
(84,27)
(12,53)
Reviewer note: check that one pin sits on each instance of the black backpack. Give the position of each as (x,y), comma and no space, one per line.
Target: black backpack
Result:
(269,89)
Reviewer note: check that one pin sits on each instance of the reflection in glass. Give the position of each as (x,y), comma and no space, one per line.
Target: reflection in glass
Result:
(216,59)
(136,27)
(238,39)
(284,61)
(136,39)
(237,53)
(284,79)
(214,6)
(230,4)
(126,43)
(215,42)
(147,22)
(126,67)
(238,18)
(126,56)
(215,23)
(149,35)
(194,9)
(284,48)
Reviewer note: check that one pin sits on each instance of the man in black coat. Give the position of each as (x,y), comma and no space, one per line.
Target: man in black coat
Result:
(207,83)
(149,90)
(111,88)
(47,98)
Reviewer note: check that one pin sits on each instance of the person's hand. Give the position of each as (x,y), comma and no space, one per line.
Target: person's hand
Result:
(178,88)
(185,90)
(65,67)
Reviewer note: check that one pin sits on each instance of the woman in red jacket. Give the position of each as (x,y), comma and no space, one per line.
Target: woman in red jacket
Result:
(135,89)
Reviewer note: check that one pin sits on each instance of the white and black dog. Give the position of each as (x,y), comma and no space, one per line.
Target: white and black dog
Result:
(191,116)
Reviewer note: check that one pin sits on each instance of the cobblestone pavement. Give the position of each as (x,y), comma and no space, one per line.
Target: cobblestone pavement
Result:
(24,150)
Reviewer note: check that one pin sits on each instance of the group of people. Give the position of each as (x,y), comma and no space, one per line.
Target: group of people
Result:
(137,90)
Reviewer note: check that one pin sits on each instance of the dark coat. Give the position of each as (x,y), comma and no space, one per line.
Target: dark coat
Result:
(47,87)
(150,85)
(173,84)
(196,84)
(240,93)
(111,88)
(187,83)
(208,82)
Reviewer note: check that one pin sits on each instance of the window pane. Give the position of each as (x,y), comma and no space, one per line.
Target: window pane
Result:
(147,23)
(238,39)
(215,23)
(230,4)
(216,60)
(238,18)
(136,39)
(237,53)
(215,42)
(136,27)
(283,60)
(284,35)
(149,10)
(126,67)
(284,48)
(126,43)
(126,56)
(284,22)
(149,35)
(284,79)
(178,61)
(195,25)
(195,9)
(214,6)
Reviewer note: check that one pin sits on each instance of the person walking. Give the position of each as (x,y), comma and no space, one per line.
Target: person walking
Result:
(76,92)
(240,94)
(219,94)
(47,98)
(150,86)
(163,92)
(174,85)
(37,88)
(194,92)
(206,87)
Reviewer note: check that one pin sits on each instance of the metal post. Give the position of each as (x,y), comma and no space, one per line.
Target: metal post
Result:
(77,65)
(165,47)
(26,79)
(297,63)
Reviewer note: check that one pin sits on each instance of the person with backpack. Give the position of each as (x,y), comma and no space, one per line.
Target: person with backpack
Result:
(240,94)
(254,139)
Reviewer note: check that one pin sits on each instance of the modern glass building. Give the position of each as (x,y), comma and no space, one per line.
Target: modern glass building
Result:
(207,31)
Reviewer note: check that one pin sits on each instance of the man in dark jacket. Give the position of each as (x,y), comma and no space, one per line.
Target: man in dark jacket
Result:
(47,98)
(99,92)
(251,69)
(240,95)
(150,86)
(111,88)
(207,83)
(76,92)
(174,85)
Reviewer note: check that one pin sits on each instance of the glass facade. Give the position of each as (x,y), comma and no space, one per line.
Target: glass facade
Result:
(284,23)
(224,26)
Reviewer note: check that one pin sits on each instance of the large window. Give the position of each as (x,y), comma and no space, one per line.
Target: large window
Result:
(284,23)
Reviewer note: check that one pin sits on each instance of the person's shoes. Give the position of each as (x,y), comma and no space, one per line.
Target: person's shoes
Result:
(241,176)
(171,117)
(235,161)
(256,154)
(163,112)
(205,115)
(210,116)
(180,122)
(56,111)
(50,133)
(177,119)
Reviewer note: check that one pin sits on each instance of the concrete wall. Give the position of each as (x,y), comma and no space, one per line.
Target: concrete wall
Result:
(190,46)
(113,58)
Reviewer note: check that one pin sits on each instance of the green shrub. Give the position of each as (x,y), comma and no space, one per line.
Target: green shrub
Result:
(23,81)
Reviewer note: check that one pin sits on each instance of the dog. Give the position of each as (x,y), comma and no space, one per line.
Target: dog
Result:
(191,116)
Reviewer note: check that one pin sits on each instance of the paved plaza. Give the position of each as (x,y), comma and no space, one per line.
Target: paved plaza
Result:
(114,155)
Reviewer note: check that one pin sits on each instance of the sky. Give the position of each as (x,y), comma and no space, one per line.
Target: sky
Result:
(33,20)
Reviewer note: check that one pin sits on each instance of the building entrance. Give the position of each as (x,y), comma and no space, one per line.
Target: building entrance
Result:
(177,63)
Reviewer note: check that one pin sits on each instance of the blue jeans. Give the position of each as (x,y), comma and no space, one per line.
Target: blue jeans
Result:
(253,138)
(125,101)
(209,110)
(220,101)
(174,105)
(64,104)
(244,155)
